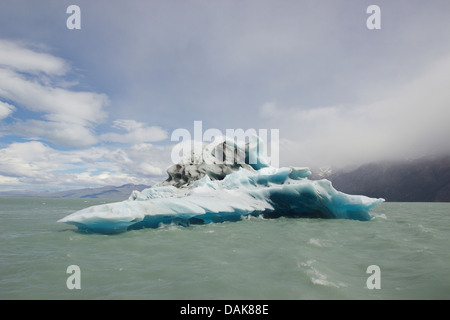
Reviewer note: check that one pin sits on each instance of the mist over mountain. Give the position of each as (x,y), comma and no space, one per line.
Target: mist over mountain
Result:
(420,180)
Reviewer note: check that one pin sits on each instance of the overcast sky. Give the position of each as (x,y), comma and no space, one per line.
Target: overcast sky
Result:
(97,106)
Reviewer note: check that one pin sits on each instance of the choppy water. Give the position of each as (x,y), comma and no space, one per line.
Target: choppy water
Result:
(250,259)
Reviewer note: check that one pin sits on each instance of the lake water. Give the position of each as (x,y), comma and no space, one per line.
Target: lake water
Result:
(251,259)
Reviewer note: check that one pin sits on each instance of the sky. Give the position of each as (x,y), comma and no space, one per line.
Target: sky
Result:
(97,106)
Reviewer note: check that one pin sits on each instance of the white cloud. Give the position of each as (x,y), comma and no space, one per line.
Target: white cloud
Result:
(142,159)
(34,81)
(67,116)
(59,133)
(148,169)
(9,181)
(410,122)
(6,110)
(56,103)
(34,165)
(27,160)
(20,58)
(136,132)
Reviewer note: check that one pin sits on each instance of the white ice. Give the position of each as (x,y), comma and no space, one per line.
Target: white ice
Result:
(212,191)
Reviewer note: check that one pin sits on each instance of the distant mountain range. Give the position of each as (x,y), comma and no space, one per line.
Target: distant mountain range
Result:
(419,180)
(107,192)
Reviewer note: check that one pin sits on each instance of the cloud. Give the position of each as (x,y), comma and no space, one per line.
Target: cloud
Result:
(6,110)
(9,181)
(35,165)
(411,121)
(56,132)
(67,116)
(141,159)
(30,160)
(230,57)
(53,112)
(19,58)
(136,132)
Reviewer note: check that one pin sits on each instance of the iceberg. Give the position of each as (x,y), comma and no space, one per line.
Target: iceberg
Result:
(213,190)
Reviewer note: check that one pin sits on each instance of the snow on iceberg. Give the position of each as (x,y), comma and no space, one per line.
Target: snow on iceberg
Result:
(214,191)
